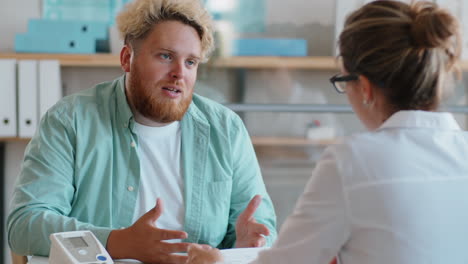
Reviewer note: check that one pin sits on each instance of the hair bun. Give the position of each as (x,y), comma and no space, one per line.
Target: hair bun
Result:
(432,26)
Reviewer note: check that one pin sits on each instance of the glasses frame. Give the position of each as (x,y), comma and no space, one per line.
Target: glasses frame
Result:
(341,78)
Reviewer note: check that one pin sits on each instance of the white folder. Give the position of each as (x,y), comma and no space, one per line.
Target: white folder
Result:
(27,98)
(50,85)
(8,126)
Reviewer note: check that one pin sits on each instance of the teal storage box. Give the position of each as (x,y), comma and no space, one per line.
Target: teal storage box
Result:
(93,29)
(269,47)
(96,30)
(89,10)
(43,43)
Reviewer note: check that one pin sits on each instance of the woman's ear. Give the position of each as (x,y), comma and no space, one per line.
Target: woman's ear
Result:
(125,57)
(367,91)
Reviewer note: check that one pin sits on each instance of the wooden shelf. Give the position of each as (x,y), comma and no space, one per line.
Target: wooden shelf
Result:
(14,139)
(69,60)
(112,60)
(257,141)
(310,63)
(290,141)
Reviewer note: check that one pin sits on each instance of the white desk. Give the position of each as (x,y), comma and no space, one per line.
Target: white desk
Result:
(231,256)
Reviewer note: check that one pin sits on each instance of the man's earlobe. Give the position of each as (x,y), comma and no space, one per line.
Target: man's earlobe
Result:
(125,58)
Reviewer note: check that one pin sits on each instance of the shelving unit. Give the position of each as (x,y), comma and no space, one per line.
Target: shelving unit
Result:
(307,63)
(112,60)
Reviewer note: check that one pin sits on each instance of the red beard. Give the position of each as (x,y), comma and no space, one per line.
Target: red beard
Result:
(157,109)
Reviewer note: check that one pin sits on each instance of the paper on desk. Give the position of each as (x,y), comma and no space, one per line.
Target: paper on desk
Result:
(44,260)
(231,256)
(38,260)
(240,255)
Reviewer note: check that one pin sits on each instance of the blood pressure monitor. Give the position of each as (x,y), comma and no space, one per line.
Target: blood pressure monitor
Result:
(77,247)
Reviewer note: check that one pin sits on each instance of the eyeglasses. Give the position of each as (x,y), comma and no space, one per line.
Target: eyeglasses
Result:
(339,81)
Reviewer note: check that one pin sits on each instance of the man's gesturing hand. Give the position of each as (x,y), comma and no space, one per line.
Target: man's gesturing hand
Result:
(144,241)
(249,233)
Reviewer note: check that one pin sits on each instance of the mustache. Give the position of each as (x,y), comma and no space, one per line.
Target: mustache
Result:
(177,84)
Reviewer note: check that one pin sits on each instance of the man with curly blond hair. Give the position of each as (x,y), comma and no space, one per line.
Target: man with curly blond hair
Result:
(103,157)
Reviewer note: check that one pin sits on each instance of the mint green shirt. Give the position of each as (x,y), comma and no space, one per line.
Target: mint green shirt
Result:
(79,168)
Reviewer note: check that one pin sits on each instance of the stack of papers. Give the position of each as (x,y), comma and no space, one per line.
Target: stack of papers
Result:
(240,255)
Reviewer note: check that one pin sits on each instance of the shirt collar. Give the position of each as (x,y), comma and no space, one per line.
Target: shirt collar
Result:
(124,112)
(421,119)
(194,112)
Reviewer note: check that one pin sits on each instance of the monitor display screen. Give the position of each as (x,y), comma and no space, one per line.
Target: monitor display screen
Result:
(78,242)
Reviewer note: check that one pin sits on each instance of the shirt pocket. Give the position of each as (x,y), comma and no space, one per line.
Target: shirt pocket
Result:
(217,210)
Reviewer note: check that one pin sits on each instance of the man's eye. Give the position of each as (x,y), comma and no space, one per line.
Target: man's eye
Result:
(165,56)
(191,62)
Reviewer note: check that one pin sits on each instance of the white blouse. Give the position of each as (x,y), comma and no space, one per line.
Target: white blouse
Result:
(396,195)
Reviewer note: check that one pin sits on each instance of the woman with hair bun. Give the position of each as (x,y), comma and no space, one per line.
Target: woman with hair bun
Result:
(397,193)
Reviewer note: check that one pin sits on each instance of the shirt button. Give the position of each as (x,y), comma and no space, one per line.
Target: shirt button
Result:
(133,144)
(130,188)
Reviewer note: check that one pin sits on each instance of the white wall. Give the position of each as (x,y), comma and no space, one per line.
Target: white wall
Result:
(14,15)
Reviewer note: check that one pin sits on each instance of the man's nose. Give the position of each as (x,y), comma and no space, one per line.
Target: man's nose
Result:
(177,70)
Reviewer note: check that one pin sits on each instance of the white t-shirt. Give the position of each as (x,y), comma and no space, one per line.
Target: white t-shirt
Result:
(161,174)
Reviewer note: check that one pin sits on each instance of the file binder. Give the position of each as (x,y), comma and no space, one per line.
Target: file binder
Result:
(8,123)
(27,98)
(50,85)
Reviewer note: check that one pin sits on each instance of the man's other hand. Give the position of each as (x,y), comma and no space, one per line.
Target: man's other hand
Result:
(249,233)
(145,242)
